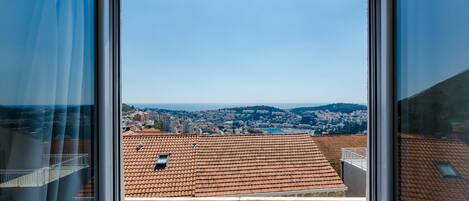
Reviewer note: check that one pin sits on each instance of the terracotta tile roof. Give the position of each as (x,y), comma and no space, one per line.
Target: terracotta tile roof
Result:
(225,165)
(140,178)
(231,165)
(146,132)
(420,176)
(331,146)
(87,190)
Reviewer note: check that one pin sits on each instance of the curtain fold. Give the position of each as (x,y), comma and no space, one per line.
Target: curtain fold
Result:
(47,112)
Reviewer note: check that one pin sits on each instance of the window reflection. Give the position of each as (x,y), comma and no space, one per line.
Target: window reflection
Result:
(47,102)
(433,103)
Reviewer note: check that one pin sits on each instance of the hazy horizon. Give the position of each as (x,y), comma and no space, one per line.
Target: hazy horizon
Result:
(247,103)
(214,106)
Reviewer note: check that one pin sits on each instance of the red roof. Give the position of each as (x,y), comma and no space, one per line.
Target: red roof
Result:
(87,191)
(420,177)
(225,165)
(140,178)
(331,146)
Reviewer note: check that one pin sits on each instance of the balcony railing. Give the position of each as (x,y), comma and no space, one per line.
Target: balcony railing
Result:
(356,157)
(61,165)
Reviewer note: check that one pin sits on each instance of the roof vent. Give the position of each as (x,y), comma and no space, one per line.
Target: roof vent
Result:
(162,161)
(139,146)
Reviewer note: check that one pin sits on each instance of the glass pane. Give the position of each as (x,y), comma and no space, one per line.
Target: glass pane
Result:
(245,98)
(47,103)
(433,99)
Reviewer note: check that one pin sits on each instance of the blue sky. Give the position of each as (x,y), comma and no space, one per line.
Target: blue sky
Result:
(225,51)
(244,51)
(433,40)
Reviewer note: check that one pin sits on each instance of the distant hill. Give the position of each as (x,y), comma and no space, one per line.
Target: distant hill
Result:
(49,121)
(437,110)
(127,108)
(255,108)
(336,107)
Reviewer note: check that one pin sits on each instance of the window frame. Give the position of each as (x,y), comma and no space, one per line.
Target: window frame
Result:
(162,161)
(109,180)
(382,141)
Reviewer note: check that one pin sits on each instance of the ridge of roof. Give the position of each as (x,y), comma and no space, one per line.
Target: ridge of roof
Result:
(156,135)
(338,135)
(256,134)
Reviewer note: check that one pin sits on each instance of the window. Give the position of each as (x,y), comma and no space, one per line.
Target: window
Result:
(446,169)
(60,104)
(162,161)
(432,76)
(244,98)
(48,105)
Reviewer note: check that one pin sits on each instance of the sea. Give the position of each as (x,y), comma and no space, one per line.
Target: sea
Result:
(192,107)
(274,131)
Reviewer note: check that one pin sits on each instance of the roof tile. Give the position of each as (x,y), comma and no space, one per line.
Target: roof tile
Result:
(225,165)
(420,178)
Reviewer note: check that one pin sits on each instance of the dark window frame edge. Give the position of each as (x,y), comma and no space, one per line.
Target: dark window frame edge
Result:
(382,137)
(109,182)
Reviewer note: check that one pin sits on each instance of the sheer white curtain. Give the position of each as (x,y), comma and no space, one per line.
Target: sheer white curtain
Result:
(47,80)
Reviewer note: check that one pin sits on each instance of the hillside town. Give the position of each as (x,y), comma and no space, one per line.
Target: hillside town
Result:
(323,120)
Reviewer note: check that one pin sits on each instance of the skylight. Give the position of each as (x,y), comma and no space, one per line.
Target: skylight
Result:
(447,170)
(162,161)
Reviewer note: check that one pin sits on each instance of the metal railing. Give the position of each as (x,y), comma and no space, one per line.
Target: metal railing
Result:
(356,156)
(54,167)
